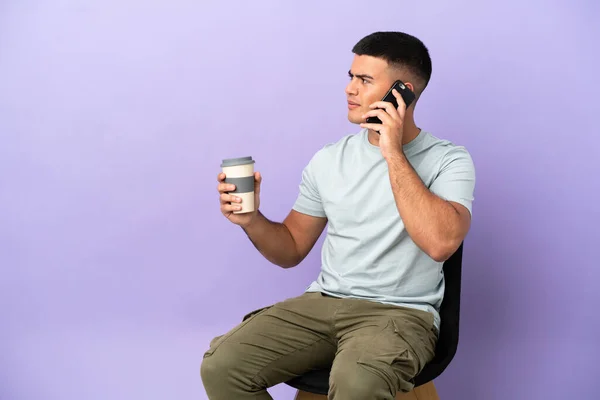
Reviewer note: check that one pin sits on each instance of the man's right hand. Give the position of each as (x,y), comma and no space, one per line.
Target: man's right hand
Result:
(231,202)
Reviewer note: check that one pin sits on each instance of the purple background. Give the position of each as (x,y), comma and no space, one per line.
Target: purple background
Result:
(117,267)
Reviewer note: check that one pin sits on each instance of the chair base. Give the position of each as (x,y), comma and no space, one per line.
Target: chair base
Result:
(423,392)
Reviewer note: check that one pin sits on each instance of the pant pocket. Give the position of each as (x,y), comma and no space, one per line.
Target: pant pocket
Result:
(418,341)
(217,341)
(255,312)
(391,357)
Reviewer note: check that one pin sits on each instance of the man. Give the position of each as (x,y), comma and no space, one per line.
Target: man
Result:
(398,203)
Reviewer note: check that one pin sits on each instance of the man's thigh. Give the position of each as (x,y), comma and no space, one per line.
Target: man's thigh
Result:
(278,343)
(394,343)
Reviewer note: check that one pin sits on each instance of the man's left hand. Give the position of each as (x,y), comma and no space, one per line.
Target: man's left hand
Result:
(392,126)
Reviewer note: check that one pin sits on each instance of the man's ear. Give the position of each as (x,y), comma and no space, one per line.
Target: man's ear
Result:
(411,87)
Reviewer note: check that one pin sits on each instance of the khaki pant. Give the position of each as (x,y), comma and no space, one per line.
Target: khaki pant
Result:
(376,349)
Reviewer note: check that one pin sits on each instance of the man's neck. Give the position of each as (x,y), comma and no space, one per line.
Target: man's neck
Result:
(411,131)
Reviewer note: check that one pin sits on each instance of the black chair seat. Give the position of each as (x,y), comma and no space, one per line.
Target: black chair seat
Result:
(317,381)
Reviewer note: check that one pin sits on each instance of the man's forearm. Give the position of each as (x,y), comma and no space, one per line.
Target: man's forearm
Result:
(431,222)
(273,240)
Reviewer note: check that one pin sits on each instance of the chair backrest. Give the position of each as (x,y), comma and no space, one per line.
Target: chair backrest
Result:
(449,314)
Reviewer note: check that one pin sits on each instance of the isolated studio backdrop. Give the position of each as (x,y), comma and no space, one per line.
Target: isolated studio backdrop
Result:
(117,267)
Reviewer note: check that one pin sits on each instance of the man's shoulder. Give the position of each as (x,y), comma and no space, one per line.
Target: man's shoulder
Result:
(329,151)
(443,149)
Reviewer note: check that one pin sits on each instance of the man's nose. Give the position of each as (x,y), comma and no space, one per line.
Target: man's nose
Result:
(351,88)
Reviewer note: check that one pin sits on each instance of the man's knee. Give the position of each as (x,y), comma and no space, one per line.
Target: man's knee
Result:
(355,381)
(214,369)
(224,367)
(221,368)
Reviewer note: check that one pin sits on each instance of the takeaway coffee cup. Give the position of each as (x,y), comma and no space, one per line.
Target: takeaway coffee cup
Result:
(240,172)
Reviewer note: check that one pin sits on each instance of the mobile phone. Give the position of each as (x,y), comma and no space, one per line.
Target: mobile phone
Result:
(407,95)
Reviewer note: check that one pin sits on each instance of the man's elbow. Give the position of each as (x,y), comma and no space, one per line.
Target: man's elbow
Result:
(440,255)
(449,240)
(288,264)
(291,261)
(444,249)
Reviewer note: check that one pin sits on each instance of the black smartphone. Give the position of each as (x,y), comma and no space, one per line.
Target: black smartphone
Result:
(407,95)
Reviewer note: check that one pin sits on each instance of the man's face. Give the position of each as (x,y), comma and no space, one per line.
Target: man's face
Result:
(370,79)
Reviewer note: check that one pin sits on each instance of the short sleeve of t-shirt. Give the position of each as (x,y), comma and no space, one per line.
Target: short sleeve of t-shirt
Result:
(456,179)
(309,199)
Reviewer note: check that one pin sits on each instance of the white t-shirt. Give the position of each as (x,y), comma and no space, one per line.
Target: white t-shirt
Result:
(367,252)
